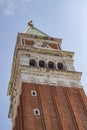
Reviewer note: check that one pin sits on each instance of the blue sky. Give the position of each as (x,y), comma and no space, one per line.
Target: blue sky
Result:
(66,19)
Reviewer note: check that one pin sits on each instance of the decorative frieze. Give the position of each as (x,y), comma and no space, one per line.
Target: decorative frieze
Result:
(50,79)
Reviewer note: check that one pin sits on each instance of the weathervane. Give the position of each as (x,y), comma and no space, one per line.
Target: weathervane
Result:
(30,23)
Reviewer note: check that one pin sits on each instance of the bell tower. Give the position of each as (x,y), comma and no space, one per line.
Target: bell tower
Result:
(44,88)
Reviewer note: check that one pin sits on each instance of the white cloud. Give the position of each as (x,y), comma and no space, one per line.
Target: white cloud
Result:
(11,7)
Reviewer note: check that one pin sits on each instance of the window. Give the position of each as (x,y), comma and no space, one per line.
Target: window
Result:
(51,65)
(41,63)
(36,112)
(46,38)
(33,93)
(60,66)
(32,62)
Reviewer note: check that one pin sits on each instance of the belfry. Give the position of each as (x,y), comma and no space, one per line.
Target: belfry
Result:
(44,88)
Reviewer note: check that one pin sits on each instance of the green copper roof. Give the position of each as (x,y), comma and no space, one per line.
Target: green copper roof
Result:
(34,31)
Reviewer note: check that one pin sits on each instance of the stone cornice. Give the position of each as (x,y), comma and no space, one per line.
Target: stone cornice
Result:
(45,51)
(51,72)
(48,38)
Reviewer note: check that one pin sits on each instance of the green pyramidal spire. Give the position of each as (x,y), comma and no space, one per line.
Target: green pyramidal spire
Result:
(33,30)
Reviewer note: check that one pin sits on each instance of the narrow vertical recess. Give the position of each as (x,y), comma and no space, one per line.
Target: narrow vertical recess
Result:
(82,99)
(56,109)
(44,97)
(82,109)
(65,89)
(41,108)
(59,111)
(71,96)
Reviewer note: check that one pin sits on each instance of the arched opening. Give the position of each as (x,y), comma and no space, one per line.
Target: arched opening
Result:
(32,62)
(50,65)
(41,63)
(60,66)
(33,93)
(36,112)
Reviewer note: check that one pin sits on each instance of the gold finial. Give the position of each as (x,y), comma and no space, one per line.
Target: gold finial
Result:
(30,23)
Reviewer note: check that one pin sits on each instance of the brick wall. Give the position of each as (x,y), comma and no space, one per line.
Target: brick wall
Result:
(61,108)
